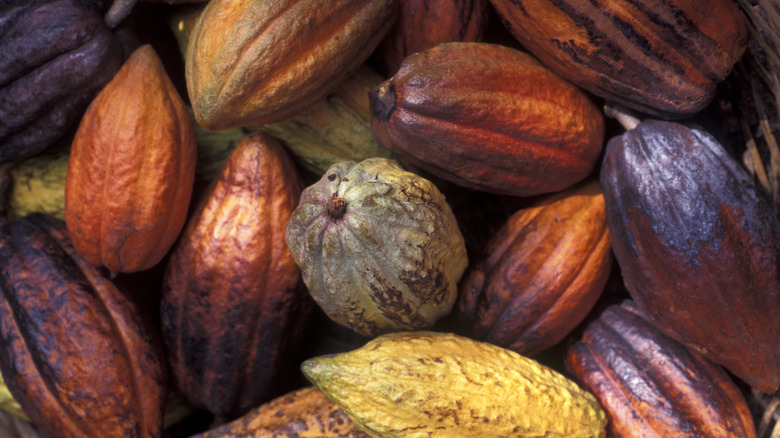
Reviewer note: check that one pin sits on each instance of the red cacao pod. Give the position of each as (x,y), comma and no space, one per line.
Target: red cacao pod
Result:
(233,307)
(540,274)
(131,169)
(698,246)
(663,57)
(652,386)
(77,354)
(488,117)
(422,24)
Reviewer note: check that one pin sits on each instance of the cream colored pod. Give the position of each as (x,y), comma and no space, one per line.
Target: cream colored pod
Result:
(379,247)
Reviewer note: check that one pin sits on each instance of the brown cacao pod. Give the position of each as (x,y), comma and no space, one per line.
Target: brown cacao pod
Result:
(57,55)
(131,169)
(303,413)
(652,386)
(540,274)
(698,246)
(252,63)
(422,24)
(488,117)
(379,247)
(233,307)
(663,58)
(77,355)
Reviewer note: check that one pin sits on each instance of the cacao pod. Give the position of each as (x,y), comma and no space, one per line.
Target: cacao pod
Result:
(77,355)
(379,247)
(540,274)
(651,385)
(57,55)
(438,384)
(233,307)
(131,169)
(698,246)
(336,128)
(490,118)
(37,184)
(664,58)
(422,24)
(252,63)
(304,413)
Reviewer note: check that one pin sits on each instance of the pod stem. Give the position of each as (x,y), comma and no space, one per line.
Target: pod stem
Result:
(383,102)
(623,115)
(119,10)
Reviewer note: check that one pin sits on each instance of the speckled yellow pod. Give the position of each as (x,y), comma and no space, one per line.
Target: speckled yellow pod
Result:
(422,384)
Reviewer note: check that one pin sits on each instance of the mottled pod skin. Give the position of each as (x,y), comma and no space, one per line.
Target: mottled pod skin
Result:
(698,246)
(57,55)
(379,247)
(422,24)
(651,385)
(431,384)
(540,274)
(233,305)
(303,413)
(131,169)
(490,118)
(257,62)
(77,355)
(661,57)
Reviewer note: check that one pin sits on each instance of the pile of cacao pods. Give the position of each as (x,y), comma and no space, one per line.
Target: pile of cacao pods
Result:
(387,218)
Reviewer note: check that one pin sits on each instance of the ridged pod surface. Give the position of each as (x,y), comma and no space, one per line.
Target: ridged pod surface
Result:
(303,413)
(131,169)
(233,306)
(698,246)
(540,274)
(56,56)
(420,384)
(422,24)
(379,247)
(490,118)
(257,62)
(77,355)
(660,57)
(651,385)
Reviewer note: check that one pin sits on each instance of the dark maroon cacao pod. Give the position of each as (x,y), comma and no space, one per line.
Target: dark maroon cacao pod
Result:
(698,246)
(74,351)
(55,55)
(651,385)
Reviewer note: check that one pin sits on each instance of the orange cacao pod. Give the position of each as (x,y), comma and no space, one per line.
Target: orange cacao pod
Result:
(422,24)
(651,385)
(662,57)
(257,62)
(77,355)
(303,413)
(131,169)
(488,117)
(541,273)
(233,307)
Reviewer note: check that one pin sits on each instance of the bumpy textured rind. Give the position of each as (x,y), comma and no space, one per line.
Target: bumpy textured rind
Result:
(651,385)
(131,169)
(392,262)
(540,274)
(233,306)
(698,246)
(663,58)
(77,354)
(57,55)
(304,413)
(490,118)
(420,384)
(252,63)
